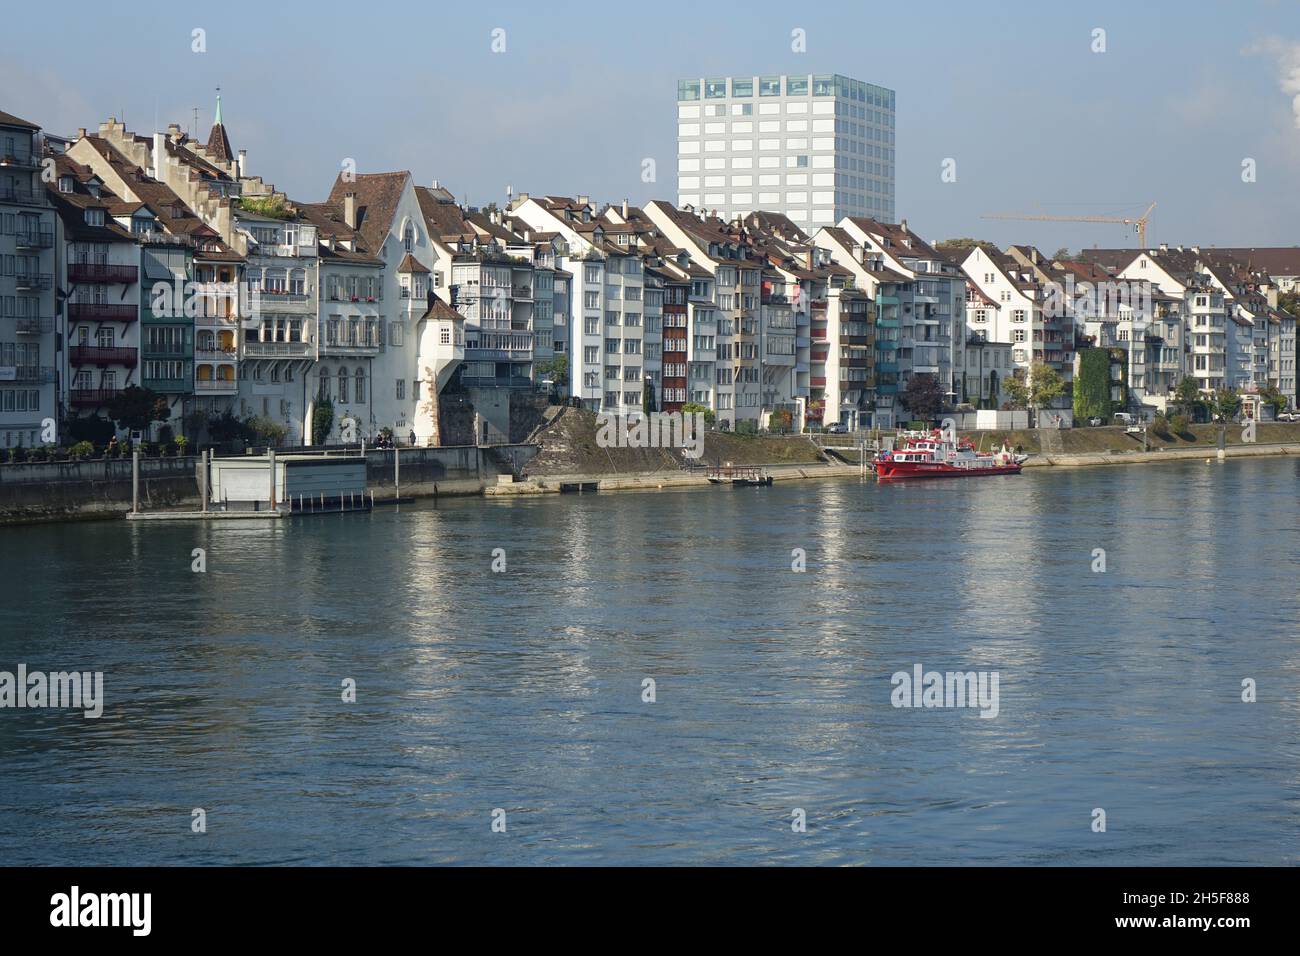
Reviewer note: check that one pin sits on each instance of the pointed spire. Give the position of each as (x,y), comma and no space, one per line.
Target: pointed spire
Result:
(218,141)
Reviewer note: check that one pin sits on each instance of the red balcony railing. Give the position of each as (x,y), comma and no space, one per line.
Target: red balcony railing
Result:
(102,355)
(102,312)
(93,397)
(101,272)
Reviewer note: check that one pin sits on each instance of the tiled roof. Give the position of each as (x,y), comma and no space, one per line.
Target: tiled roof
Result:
(411,264)
(219,143)
(8,119)
(377,197)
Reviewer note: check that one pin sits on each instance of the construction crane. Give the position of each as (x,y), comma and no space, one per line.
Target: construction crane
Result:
(1140,222)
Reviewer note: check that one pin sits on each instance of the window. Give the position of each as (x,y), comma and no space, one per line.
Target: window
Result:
(796,86)
(769,86)
(408,237)
(401,389)
(742,87)
(715,89)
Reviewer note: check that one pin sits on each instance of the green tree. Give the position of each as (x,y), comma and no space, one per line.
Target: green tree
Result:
(556,369)
(923,396)
(271,432)
(695,408)
(1187,396)
(1226,403)
(322,421)
(1092,385)
(137,408)
(1289,302)
(1271,395)
(967,244)
(1039,389)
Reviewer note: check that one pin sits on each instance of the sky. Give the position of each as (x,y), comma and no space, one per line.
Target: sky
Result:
(1176,103)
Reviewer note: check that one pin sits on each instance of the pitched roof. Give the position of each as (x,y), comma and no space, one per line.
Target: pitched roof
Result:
(377,196)
(8,119)
(411,264)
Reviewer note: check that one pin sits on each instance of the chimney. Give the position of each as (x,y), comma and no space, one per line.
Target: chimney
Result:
(436,184)
(584,200)
(81,133)
(159,156)
(243,159)
(625,208)
(903,224)
(523,197)
(1164,247)
(350,210)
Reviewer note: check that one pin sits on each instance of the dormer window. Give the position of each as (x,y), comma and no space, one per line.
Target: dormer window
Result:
(93,186)
(408,237)
(94,217)
(65,184)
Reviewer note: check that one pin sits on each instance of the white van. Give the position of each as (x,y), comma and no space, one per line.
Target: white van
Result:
(1123,418)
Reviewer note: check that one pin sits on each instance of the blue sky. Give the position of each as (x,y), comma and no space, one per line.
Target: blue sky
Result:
(1036,121)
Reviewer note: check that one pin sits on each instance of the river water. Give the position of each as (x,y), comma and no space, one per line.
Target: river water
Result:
(525,690)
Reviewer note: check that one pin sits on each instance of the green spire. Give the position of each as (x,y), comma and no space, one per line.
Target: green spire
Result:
(217,121)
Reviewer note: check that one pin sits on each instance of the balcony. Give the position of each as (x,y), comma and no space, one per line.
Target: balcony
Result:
(34,281)
(34,238)
(24,195)
(27,374)
(92,397)
(211,386)
(214,353)
(279,349)
(101,272)
(100,355)
(33,325)
(102,312)
(20,159)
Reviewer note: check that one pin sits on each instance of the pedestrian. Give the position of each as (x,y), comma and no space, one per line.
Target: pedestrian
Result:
(412,436)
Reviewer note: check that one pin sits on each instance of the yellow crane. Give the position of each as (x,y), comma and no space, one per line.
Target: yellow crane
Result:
(1140,222)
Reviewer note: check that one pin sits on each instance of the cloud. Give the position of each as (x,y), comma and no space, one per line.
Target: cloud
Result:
(1287,55)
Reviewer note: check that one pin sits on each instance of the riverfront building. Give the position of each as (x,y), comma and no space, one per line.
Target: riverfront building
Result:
(815,148)
(28,343)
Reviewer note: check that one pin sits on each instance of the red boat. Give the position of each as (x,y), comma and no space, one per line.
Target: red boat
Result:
(930,455)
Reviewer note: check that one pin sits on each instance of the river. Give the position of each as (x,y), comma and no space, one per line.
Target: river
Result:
(524,690)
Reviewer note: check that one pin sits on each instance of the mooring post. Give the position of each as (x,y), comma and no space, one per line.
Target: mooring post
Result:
(135,480)
(397,472)
(270,459)
(203,481)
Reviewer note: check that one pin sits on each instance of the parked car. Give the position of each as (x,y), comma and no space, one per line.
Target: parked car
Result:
(837,428)
(1123,418)
(1288,416)
(1095,421)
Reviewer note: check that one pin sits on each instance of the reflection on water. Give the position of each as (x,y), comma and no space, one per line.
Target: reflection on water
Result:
(523,690)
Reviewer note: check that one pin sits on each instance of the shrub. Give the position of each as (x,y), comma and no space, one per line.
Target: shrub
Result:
(82,449)
(746,427)
(1160,426)
(1179,424)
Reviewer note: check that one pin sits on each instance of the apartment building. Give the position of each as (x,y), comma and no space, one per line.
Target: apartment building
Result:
(167,336)
(422,342)
(815,148)
(28,341)
(100,270)
(1011,302)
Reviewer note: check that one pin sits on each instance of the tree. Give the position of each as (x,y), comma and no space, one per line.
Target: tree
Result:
(271,432)
(1187,396)
(1271,395)
(923,396)
(322,421)
(1039,389)
(695,408)
(1289,302)
(1226,403)
(1092,385)
(968,244)
(556,369)
(1061,253)
(135,408)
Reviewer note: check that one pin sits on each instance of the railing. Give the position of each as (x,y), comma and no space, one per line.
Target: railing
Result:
(101,272)
(43,281)
(33,325)
(91,397)
(16,192)
(270,349)
(102,312)
(28,374)
(21,158)
(216,353)
(34,238)
(216,385)
(101,355)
